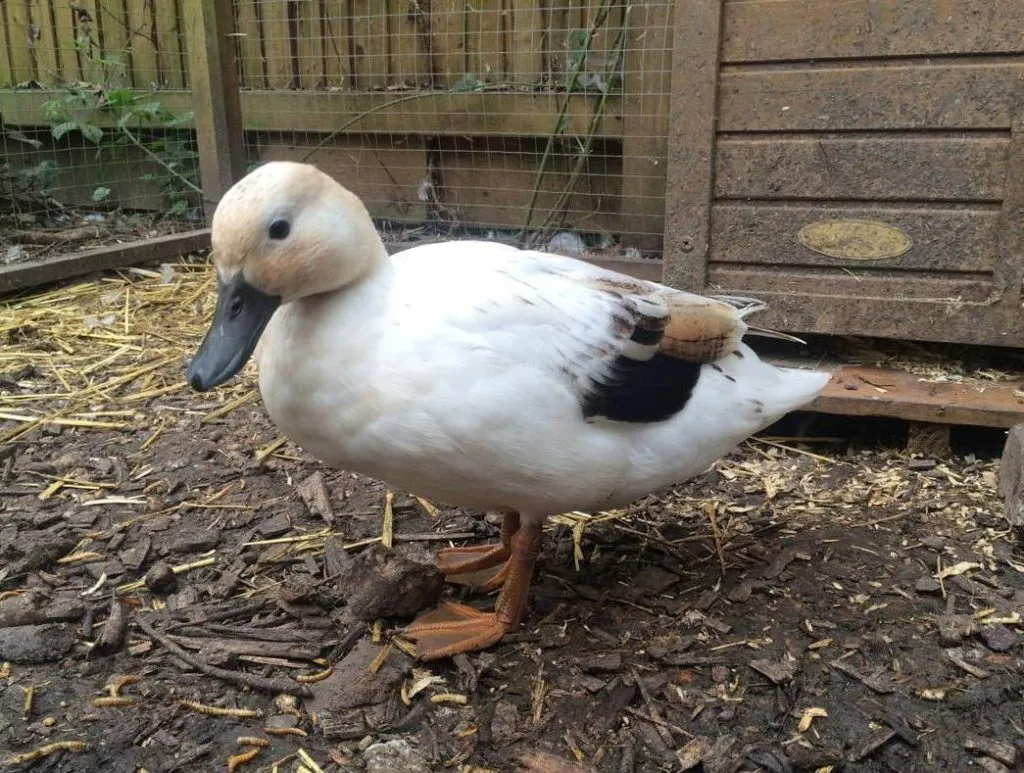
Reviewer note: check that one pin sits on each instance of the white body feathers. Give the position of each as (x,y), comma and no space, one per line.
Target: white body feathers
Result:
(456,371)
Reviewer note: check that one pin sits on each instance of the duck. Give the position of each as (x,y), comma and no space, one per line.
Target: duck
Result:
(477,374)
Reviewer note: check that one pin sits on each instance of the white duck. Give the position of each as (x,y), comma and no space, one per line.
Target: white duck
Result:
(476,374)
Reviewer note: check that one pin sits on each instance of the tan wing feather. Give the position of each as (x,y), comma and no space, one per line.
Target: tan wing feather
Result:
(696,328)
(700,331)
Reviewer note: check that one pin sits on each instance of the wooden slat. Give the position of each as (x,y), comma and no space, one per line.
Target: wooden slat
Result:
(869,391)
(944,238)
(815,283)
(312,59)
(111,29)
(560,19)
(47,55)
(526,36)
(646,95)
(169,48)
(218,118)
(21,52)
(409,65)
(887,308)
(247,35)
(369,25)
(1009,270)
(7,78)
(78,174)
(17,276)
(810,29)
(470,114)
(471,168)
(386,174)
(944,95)
(140,25)
(277,42)
(600,67)
(70,56)
(467,114)
(448,39)
(692,115)
(336,43)
(485,40)
(880,168)
(651,270)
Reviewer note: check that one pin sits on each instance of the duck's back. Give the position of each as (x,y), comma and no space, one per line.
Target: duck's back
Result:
(486,376)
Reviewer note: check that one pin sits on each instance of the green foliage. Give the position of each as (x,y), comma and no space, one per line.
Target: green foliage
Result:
(132,119)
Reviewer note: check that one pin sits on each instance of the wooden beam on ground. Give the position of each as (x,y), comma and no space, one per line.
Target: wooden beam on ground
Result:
(19,276)
(869,391)
(213,73)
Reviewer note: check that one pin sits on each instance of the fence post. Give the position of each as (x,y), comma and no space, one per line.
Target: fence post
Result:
(689,184)
(213,76)
(645,127)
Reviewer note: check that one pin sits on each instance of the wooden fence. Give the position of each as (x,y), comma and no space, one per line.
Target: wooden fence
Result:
(347,45)
(435,96)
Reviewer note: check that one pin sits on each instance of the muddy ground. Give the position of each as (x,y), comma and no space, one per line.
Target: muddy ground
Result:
(825,605)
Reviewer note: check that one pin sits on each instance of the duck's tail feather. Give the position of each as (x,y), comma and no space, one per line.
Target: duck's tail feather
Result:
(772,389)
(747,306)
(763,332)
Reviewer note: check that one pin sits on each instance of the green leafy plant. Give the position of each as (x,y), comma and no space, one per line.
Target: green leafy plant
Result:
(132,119)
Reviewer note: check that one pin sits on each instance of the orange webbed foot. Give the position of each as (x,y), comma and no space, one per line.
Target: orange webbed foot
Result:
(454,628)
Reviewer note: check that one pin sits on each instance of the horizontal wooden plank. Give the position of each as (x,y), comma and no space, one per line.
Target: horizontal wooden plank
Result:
(757,31)
(887,168)
(867,391)
(941,95)
(124,169)
(491,183)
(886,308)
(17,276)
(944,238)
(892,286)
(515,114)
(386,173)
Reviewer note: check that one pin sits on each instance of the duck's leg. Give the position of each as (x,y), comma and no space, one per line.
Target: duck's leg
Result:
(454,628)
(473,566)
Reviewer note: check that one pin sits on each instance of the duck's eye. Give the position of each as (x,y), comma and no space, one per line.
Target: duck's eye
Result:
(280,229)
(235,308)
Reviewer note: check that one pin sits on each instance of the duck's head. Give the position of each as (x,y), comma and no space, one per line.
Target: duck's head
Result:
(283,232)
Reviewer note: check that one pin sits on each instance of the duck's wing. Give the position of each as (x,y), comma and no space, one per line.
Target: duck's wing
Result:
(634,349)
(629,350)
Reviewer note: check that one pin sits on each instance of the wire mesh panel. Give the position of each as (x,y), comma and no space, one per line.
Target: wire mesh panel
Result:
(542,121)
(535,120)
(94,125)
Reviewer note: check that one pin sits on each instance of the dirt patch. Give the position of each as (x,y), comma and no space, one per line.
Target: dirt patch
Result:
(61,231)
(177,586)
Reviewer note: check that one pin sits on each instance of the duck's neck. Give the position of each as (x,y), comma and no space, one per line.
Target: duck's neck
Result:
(376,279)
(362,297)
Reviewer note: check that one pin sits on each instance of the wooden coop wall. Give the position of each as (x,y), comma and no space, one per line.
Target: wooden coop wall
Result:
(805,115)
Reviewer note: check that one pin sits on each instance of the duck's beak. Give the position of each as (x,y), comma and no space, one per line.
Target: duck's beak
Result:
(242,313)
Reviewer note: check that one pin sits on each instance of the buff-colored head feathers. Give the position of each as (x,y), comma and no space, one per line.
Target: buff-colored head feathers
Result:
(293,231)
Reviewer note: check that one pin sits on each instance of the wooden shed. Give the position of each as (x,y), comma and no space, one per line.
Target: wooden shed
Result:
(858,163)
